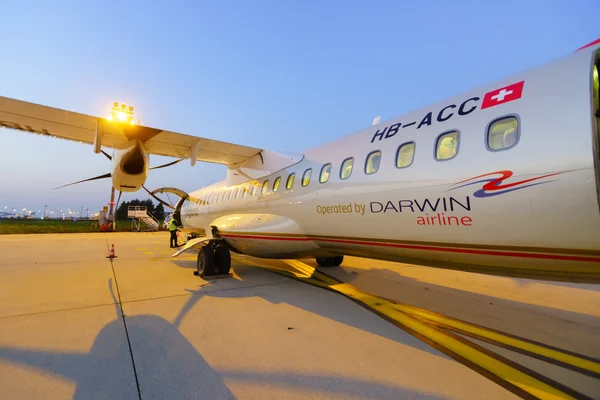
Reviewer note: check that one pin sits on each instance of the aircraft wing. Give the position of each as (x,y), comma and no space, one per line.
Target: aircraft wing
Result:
(101,132)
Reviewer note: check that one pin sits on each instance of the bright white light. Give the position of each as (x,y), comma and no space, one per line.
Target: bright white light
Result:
(121,116)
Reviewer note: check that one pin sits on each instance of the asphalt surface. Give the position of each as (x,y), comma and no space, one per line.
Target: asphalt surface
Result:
(73,324)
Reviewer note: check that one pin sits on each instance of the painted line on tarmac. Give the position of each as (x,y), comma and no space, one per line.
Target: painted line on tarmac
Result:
(441,332)
(551,354)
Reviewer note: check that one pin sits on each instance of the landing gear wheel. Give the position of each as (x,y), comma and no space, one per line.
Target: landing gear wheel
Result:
(330,261)
(323,262)
(222,258)
(336,261)
(206,262)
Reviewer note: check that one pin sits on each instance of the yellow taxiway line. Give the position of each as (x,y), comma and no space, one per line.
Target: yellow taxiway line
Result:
(437,330)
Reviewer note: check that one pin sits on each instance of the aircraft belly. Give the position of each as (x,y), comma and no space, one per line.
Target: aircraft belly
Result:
(264,235)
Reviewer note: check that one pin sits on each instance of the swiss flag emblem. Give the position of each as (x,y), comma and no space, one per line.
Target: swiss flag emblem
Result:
(503,95)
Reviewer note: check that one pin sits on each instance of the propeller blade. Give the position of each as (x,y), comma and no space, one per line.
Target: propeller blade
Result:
(118,200)
(86,180)
(164,203)
(106,154)
(168,164)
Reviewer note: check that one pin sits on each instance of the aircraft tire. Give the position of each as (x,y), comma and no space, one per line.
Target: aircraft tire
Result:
(330,261)
(336,261)
(222,259)
(322,262)
(206,261)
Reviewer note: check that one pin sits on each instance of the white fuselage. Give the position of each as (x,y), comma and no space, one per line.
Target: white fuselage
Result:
(532,208)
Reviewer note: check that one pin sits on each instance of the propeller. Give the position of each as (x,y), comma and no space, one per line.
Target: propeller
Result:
(168,164)
(86,180)
(109,175)
(118,200)
(106,154)
(164,203)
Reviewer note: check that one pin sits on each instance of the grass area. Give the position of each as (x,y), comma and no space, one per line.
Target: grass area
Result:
(14,226)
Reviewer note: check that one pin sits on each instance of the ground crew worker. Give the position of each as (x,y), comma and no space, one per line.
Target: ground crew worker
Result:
(173,229)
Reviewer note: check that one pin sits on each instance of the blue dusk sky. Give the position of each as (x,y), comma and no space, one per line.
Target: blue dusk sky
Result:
(281,75)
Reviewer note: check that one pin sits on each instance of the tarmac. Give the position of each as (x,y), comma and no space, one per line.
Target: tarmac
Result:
(77,325)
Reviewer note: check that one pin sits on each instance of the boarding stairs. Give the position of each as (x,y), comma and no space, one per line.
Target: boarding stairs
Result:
(141,219)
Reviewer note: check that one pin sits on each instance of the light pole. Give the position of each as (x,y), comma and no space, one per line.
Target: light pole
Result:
(45,210)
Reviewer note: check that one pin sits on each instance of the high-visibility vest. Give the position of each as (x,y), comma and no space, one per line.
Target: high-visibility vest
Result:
(172,227)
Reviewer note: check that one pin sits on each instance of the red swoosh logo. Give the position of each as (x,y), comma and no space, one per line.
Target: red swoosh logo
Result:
(496,184)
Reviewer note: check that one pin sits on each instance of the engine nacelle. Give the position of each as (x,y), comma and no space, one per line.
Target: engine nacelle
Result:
(130,167)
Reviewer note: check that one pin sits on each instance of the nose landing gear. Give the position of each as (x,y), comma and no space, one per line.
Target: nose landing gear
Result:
(330,261)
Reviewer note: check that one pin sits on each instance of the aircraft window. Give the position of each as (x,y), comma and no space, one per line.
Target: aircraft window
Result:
(254,187)
(446,145)
(237,192)
(346,169)
(325,171)
(373,161)
(265,187)
(276,184)
(290,181)
(306,177)
(405,155)
(503,133)
(245,191)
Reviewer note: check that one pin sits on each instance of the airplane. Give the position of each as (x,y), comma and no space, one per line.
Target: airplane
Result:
(503,179)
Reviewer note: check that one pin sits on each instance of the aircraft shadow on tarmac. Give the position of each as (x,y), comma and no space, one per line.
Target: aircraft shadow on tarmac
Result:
(558,327)
(165,359)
